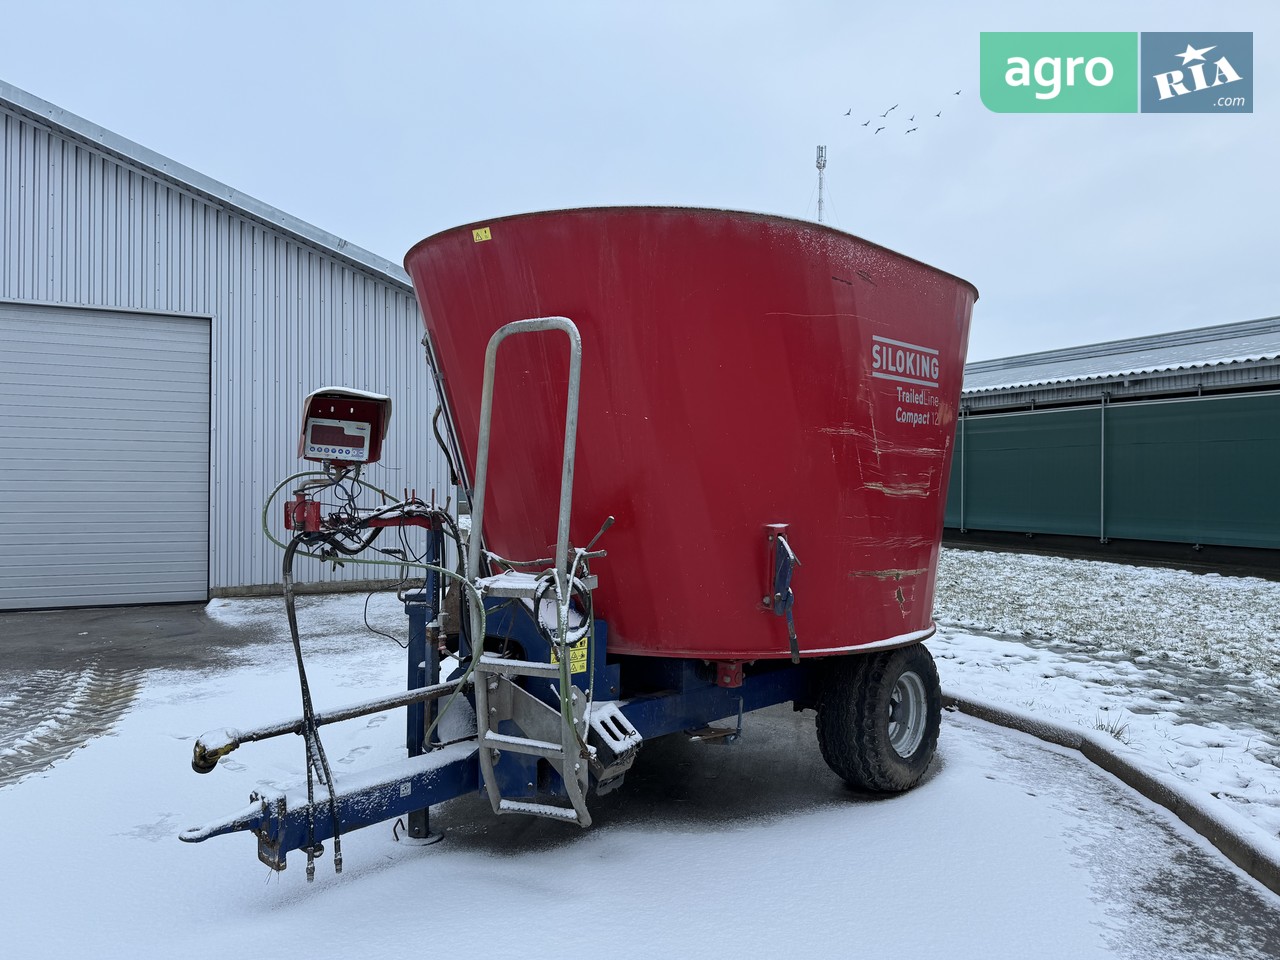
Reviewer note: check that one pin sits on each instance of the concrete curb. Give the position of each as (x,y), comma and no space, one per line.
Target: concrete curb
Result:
(1248,847)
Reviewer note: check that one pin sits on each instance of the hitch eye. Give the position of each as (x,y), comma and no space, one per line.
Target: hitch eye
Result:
(211,748)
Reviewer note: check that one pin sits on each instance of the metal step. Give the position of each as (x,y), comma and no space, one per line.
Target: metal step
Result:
(567,814)
(513,584)
(535,748)
(517,668)
(542,732)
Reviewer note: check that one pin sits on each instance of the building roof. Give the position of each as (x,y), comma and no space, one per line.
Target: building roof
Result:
(1219,346)
(197,183)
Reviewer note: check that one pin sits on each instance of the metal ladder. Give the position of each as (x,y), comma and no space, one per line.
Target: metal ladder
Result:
(549,733)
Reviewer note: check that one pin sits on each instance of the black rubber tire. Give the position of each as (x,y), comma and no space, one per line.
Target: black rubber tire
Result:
(854,714)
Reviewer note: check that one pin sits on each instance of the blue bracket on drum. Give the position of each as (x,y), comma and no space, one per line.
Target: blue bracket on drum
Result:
(781,599)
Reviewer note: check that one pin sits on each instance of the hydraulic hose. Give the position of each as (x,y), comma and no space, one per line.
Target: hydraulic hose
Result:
(311,734)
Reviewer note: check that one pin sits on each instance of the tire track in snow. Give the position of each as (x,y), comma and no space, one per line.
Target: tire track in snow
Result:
(53,713)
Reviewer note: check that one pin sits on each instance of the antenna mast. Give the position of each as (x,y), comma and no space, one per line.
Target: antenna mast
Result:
(822,165)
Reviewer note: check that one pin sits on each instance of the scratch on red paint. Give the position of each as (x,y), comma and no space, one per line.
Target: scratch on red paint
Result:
(887,574)
(901,489)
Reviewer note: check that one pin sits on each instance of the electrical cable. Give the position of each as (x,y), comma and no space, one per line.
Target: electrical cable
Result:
(564,600)
(316,756)
(444,447)
(382,633)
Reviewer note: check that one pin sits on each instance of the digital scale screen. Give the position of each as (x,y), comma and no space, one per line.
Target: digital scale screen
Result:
(336,440)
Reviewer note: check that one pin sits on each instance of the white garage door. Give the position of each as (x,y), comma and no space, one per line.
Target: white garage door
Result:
(104,457)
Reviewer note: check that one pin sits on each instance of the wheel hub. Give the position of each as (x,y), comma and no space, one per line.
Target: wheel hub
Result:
(908,710)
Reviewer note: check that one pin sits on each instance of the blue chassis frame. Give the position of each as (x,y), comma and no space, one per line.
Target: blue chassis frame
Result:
(662,696)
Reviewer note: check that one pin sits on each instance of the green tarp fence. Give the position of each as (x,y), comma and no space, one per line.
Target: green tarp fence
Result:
(1200,470)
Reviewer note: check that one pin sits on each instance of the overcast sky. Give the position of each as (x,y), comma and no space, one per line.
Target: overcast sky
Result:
(383,123)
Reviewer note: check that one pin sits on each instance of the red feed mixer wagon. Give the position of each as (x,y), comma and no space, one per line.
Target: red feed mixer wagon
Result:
(706,455)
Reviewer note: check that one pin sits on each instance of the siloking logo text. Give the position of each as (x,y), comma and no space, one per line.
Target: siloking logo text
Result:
(912,364)
(1117,72)
(905,362)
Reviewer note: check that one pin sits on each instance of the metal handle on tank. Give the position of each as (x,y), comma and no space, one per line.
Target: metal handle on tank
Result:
(781,600)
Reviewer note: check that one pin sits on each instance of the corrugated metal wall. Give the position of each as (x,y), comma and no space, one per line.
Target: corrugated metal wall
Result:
(1197,470)
(1255,375)
(84,227)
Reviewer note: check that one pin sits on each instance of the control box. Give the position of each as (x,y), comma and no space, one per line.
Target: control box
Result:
(344,427)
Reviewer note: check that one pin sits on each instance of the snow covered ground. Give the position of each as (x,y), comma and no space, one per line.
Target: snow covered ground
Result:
(1183,668)
(1154,616)
(1009,849)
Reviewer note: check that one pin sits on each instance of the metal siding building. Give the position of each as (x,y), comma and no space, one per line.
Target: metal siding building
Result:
(114,262)
(1172,438)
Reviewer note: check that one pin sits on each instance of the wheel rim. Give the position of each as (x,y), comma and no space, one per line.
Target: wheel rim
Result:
(908,710)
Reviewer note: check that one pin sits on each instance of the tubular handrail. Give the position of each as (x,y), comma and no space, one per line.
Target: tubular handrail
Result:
(534,325)
(570,762)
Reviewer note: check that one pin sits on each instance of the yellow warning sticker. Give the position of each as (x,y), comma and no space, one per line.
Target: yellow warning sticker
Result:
(577,656)
(481,233)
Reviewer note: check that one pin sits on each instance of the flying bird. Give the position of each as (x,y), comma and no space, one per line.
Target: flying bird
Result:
(866,123)
(849,111)
(890,110)
(938,114)
(878,129)
(956,94)
(911,119)
(913,130)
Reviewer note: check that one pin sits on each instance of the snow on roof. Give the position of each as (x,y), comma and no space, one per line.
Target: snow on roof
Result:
(1249,341)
